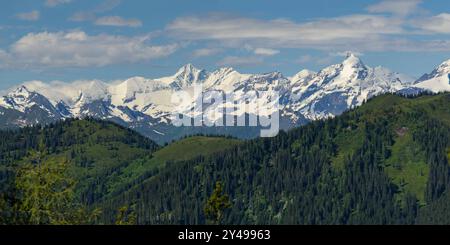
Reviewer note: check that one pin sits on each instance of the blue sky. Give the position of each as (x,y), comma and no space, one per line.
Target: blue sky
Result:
(112,39)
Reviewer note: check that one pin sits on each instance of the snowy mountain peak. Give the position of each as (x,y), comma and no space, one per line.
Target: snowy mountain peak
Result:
(436,81)
(353,61)
(350,54)
(19,98)
(23,100)
(338,87)
(187,69)
(185,76)
(447,62)
(444,68)
(20,91)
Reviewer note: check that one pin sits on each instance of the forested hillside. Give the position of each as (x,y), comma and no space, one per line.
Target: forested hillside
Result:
(99,158)
(385,162)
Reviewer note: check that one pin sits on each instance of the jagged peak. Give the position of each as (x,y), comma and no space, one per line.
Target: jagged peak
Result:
(22,90)
(187,69)
(351,59)
(447,62)
(185,76)
(350,54)
(441,70)
(444,67)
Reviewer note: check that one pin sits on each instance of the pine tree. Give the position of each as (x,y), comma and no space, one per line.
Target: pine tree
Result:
(126,216)
(217,204)
(47,193)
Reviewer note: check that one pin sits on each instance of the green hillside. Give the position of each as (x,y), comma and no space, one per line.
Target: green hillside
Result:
(185,149)
(94,149)
(385,162)
(104,158)
(377,164)
(192,147)
(407,165)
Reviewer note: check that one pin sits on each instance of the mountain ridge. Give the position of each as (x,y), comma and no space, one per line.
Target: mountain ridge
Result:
(145,104)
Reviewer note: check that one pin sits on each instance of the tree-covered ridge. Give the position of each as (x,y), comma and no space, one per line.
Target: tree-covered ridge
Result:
(101,157)
(90,149)
(378,164)
(385,162)
(95,150)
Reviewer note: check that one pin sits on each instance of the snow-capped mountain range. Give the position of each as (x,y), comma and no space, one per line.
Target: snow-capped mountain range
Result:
(145,104)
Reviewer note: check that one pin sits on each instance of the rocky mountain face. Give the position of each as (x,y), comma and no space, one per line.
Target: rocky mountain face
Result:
(146,104)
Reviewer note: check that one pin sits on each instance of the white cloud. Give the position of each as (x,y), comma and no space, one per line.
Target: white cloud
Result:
(266,51)
(223,27)
(280,33)
(78,49)
(91,15)
(82,16)
(203,52)
(105,6)
(399,7)
(29,16)
(54,3)
(240,61)
(406,45)
(363,32)
(438,24)
(117,21)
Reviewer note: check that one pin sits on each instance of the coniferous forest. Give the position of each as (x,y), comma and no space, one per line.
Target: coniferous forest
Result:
(386,162)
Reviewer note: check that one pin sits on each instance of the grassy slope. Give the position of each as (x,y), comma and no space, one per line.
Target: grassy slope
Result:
(192,147)
(408,168)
